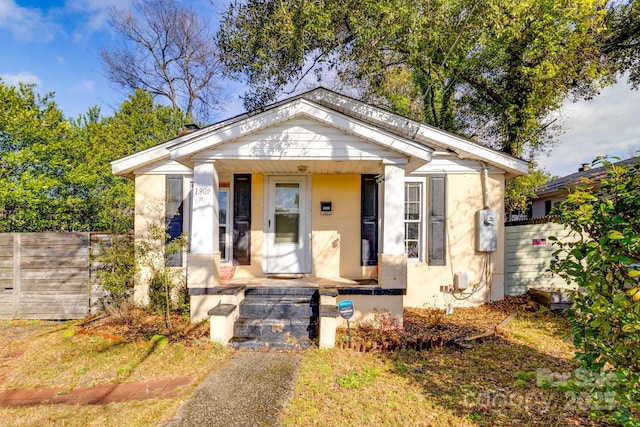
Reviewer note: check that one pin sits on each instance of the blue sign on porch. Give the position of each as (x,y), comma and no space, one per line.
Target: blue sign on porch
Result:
(345,309)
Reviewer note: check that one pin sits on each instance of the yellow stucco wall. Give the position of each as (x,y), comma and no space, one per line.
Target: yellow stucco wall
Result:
(464,198)
(149,209)
(336,237)
(335,250)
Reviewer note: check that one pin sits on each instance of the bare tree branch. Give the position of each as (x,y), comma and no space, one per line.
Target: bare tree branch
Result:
(166,49)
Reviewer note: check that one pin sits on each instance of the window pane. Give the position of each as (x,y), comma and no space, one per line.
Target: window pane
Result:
(223,207)
(222,202)
(413,192)
(287,228)
(287,197)
(412,249)
(412,231)
(222,243)
(412,211)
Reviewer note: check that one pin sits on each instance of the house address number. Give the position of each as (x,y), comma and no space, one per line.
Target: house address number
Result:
(202,190)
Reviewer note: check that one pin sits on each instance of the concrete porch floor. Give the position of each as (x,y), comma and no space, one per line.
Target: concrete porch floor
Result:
(311,282)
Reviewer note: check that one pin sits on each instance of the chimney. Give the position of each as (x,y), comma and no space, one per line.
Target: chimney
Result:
(584,167)
(188,128)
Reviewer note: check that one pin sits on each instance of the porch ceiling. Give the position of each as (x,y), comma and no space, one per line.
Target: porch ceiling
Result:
(299,166)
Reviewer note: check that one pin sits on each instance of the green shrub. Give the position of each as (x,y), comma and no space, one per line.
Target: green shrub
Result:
(116,260)
(167,287)
(605,314)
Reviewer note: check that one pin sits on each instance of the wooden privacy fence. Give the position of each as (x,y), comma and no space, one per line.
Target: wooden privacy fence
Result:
(528,252)
(47,275)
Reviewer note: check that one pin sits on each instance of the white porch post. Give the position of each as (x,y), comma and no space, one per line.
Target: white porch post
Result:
(205,222)
(393,261)
(203,266)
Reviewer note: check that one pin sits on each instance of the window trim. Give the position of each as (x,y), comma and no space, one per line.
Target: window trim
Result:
(421,180)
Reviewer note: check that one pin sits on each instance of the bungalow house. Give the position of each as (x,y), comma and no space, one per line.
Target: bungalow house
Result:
(327,193)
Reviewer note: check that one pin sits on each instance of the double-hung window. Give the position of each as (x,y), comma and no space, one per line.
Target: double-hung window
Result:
(414,219)
(425,219)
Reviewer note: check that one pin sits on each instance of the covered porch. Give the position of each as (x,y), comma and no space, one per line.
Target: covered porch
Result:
(296,221)
(310,194)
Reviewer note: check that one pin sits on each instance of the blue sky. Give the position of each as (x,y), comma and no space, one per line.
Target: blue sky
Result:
(56,44)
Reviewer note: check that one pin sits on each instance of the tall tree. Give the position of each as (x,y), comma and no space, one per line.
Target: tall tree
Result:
(55,173)
(32,135)
(167,50)
(491,70)
(136,125)
(623,42)
(519,191)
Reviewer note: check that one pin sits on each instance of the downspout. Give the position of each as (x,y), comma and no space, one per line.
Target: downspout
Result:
(485,185)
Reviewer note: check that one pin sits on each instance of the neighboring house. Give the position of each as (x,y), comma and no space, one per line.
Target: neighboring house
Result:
(529,240)
(328,188)
(554,192)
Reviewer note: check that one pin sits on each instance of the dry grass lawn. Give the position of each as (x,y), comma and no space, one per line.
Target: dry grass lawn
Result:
(492,383)
(38,354)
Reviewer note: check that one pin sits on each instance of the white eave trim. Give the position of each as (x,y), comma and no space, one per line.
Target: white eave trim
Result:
(295,109)
(126,165)
(398,134)
(420,132)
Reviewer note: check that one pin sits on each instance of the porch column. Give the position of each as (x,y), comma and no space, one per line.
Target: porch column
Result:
(393,261)
(203,267)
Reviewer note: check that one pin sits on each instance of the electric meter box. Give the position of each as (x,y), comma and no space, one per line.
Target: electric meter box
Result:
(486,230)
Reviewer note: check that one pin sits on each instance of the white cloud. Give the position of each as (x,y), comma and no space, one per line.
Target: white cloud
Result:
(22,77)
(83,86)
(96,15)
(26,24)
(607,125)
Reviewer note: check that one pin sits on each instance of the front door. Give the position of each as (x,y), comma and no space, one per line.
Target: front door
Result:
(288,246)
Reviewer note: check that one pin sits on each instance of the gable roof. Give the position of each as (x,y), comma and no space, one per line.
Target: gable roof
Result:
(562,185)
(393,132)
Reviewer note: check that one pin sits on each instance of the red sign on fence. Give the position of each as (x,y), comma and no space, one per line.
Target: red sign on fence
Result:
(538,241)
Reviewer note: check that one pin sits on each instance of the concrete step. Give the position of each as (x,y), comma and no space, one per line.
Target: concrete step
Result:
(277,310)
(276,328)
(278,318)
(252,343)
(282,299)
(282,291)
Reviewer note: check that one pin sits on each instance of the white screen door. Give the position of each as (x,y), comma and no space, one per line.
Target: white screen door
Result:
(288,247)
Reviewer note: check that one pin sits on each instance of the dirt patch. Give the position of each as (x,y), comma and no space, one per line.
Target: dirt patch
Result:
(139,325)
(425,328)
(465,322)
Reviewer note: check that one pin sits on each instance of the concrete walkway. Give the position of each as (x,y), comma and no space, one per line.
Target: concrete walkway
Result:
(252,390)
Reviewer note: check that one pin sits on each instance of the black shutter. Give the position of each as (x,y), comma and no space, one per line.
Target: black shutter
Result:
(242,219)
(173,216)
(369,220)
(437,220)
